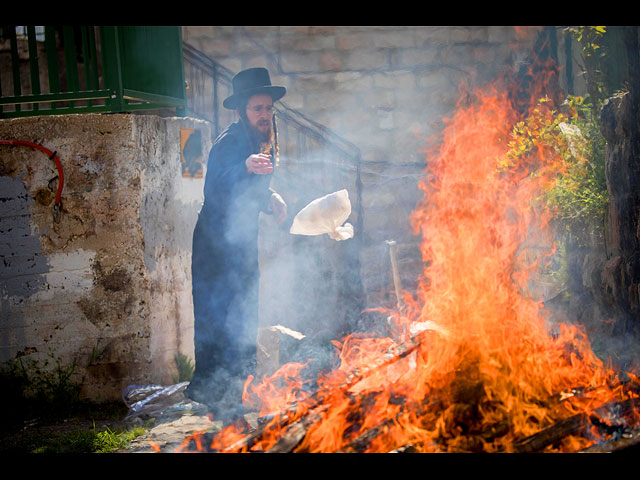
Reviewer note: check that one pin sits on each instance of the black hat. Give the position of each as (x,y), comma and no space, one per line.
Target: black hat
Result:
(252,82)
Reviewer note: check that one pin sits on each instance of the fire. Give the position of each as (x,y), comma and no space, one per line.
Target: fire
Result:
(471,363)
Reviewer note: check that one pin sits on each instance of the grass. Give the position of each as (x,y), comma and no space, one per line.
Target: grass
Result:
(88,441)
(44,413)
(83,428)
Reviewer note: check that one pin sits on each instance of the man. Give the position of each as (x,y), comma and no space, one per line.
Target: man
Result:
(225,245)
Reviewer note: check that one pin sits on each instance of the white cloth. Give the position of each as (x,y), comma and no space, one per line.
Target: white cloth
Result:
(325,215)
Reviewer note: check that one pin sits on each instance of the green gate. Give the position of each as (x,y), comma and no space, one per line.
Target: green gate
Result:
(81,69)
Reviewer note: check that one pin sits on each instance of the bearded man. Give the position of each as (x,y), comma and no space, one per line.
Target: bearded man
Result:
(225,271)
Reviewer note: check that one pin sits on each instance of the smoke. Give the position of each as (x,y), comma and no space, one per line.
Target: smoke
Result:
(309,283)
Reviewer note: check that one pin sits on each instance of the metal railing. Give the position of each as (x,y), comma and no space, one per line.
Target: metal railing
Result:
(82,69)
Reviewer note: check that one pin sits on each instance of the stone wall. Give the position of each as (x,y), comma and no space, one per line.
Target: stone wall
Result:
(108,287)
(385,89)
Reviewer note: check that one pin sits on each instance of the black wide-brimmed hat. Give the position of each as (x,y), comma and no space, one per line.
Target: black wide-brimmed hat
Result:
(252,81)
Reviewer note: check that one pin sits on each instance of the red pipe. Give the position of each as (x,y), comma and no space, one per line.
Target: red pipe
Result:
(52,156)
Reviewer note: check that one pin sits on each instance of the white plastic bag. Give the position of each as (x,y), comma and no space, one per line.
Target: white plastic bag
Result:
(325,215)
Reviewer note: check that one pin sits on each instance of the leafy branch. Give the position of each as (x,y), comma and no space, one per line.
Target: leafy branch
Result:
(579,195)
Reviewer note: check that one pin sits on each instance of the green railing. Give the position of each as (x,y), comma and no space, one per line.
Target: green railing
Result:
(81,69)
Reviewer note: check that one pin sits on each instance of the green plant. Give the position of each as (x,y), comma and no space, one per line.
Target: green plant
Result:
(590,39)
(185,368)
(78,441)
(34,389)
(108,441)
(58,384)
(580,196)
(87,441)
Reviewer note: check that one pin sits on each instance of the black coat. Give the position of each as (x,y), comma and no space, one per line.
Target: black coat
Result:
(225,272)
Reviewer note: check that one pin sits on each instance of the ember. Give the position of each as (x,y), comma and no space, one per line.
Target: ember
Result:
(488,374)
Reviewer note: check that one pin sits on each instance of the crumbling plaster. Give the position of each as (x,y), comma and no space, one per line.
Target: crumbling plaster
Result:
(108,288)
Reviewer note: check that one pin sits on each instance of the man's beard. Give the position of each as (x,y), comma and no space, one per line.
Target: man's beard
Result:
(263,135)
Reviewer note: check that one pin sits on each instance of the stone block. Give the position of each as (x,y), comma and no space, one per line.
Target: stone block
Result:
(401,80)
(302,43)
(415,57)
(305,62)
(365,60)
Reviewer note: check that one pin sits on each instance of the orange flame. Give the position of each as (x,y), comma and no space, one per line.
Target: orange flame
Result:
(281,388)
(471,363)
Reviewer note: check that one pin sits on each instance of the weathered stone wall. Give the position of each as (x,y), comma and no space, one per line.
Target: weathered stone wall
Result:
(108,288)
(385,89)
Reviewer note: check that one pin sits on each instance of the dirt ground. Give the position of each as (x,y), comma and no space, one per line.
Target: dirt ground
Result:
(41,433)
(164,435)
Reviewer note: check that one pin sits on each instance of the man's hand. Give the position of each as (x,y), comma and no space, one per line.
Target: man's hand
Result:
(259,163)
(279,208)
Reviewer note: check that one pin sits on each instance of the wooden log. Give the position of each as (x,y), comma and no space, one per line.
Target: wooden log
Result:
(268,347)
(290,440)
(360,444)
(295,433)
(394,271)
(557,431)
(629,440)
(572,426)
(535,443)
(279,424)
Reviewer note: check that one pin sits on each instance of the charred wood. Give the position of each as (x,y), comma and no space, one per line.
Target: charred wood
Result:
(291,439)
(360,444)
(295,433)
(628,441)
(573,426)
(405,449)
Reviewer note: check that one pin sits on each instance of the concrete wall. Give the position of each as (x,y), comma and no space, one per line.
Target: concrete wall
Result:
(385,89)
(108,288)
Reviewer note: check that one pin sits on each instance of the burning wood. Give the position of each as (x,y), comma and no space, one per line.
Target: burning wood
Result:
(577,424)
(291,428)
(293,423)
